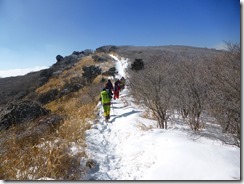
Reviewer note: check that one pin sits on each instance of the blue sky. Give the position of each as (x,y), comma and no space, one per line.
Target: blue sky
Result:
(33,32)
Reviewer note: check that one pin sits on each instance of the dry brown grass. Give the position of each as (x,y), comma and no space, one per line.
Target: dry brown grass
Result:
(77,104)
(51,159)
(76,71)
(59,81)
(28,156)
(47,155)
(142,126)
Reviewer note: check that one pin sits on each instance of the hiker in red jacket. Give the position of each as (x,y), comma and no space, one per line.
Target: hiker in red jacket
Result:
(116,89)
(122,83)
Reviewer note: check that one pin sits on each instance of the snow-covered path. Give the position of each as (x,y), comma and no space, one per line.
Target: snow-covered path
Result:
(130,147)
(109,143)
(106,142)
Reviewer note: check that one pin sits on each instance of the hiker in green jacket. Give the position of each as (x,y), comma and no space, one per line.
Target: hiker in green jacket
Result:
(106,102)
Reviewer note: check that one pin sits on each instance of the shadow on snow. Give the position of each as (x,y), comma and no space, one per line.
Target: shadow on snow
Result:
(125,115)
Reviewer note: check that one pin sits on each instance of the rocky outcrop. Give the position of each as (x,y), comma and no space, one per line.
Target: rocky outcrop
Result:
(59,58)
(91,72)
(111,72)
(45,75)
(86,52)
(107,49)
(20,113)
(75,84)
(35,132)
(101,58)
(67,62)
(49,96)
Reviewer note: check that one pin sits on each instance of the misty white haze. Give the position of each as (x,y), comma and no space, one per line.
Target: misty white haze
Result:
(20,72)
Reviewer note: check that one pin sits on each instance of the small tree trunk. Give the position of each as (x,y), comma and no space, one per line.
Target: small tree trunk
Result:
(184,113)
(161,123)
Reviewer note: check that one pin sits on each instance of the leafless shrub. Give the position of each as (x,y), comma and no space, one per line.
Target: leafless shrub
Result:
(153,87)
(191,90)
(125,101)
(224,96)
(203,80)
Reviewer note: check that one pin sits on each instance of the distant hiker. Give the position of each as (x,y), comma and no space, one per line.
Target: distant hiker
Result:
(122,83)
(116,89)
(110,87)
(106,102)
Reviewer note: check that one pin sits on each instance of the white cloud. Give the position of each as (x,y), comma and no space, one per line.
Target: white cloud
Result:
(18,72)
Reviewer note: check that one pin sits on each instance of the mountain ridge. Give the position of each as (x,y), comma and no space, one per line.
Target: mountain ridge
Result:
(50,110)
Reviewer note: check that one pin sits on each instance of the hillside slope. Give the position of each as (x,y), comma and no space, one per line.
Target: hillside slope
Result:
(48,115)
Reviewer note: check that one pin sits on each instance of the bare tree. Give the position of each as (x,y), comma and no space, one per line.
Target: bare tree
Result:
(192,84)
(153,87)
(191,90)
(225,94)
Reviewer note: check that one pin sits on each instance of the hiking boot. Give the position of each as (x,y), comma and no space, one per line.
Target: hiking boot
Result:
(107,117)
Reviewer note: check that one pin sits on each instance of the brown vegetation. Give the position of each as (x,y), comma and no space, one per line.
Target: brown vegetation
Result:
(30,151)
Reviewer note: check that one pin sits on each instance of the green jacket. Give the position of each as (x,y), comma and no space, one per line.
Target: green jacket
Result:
(105,98)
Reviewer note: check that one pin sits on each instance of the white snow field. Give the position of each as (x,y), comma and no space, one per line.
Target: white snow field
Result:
(131,147)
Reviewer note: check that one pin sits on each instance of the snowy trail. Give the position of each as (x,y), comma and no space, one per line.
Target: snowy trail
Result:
(130,147)
(107,142)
